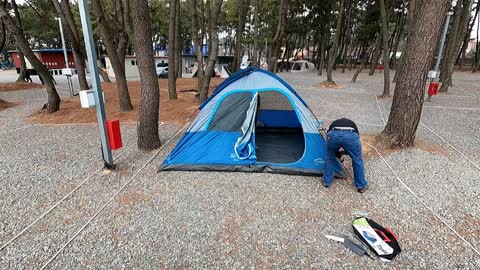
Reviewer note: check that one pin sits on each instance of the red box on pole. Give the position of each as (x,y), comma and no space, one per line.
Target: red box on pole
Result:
(433,88)
(114,135)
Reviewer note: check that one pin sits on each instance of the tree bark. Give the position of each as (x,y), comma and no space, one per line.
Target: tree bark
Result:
(408,98)
(197,40)
(172,51)
(116,59)
(70,28)
(322,56)
(178,41)
(148,112)
(3,36)
(377,53)
(242,10)
(278,38)
(398,37)
(23,65)
(213,52)
(363,63)
(386,60)
(53,103)
(457,33)
(408,28)
(255,33)
(332,55)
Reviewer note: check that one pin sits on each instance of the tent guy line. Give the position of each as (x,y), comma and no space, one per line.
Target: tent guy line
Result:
(55,205)
(380,110)
(452,108)
(58,203)
(449,144)
(16,129)
(421,201)
(116,194)
(463,89)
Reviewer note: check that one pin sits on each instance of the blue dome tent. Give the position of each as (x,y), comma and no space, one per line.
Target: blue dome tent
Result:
(253,122)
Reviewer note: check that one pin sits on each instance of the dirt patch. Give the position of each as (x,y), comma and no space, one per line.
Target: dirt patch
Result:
(129,199)
(385,98)
(376,141)
(327,84)
(176,111)
(5,87)
(4,104)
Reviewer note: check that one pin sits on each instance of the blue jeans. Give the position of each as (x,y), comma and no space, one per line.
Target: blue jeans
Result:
(350,142)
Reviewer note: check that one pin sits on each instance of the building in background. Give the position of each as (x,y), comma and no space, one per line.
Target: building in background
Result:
(53,59)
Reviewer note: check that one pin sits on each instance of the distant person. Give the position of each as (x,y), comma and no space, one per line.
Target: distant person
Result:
(343,139)
(27,77)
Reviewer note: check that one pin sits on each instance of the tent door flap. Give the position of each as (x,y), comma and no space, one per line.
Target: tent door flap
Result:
(245,146)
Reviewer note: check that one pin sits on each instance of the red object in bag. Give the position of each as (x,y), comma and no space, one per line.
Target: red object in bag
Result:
(114,135)
(433,88)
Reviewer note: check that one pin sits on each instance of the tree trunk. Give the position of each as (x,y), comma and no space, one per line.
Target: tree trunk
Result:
(386,60)
(408,98)
(172,51)
(278,38)
(242,10)
(80,67)
(332,54)
(398,37)
(53,103)
(23,65)
(409,26)
(197,26)
(377,53)
(148,112)
(352,53)
(362,65)
(213,52)
(255,37)
(64,11)
(22,74)
(117,61)
(3,36)
(322,56)
(178,40)
(103,74)
(457,33)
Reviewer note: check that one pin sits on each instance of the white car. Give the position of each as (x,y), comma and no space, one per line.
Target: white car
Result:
(162,70)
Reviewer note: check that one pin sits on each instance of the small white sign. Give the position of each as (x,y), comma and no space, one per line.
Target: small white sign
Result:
(87,100)
(432,74)
(67,71)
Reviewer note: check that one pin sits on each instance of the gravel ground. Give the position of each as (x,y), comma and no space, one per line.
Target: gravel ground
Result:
(239,220)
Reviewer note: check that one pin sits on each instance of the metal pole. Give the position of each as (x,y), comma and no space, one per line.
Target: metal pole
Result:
(65,55)
(442,43)
(63,42)
(98,93)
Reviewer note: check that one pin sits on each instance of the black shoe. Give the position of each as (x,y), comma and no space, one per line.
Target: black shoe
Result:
(325,185)
(362,190)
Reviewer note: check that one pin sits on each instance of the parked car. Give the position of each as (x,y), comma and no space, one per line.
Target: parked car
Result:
(160,69)
(163,74)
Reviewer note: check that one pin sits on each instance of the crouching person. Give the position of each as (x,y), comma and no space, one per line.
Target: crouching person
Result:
(343,134)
